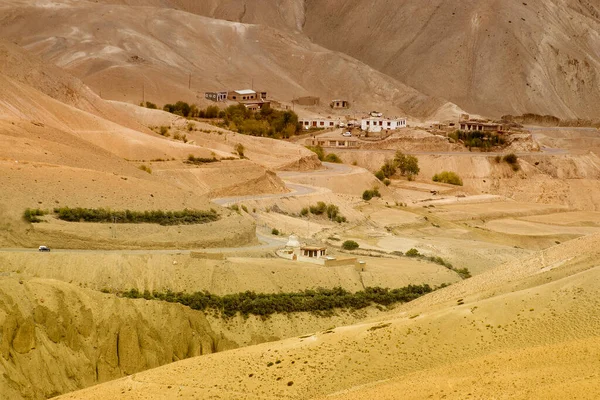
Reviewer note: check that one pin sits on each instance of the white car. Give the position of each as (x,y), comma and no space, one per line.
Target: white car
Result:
(347,134)
(43,248)
(342,125)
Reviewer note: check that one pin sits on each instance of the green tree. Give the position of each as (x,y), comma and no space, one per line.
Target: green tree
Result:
(408,165)
(388,168)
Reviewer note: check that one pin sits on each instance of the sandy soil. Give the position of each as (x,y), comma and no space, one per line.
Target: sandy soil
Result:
(509,316)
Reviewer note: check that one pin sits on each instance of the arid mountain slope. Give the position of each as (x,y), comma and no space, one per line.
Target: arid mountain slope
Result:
(130,53)
(527,329)
(21,66)
(279,14)
(489,57)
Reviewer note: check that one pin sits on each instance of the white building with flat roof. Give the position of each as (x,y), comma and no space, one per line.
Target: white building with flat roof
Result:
(308,123)
(378,124)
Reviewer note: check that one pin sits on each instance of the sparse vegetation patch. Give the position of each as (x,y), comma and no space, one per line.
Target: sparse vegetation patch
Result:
(369,194)
(449,177)
(464,273)
(320,301)
(33,215)
(321,208)
(104,215)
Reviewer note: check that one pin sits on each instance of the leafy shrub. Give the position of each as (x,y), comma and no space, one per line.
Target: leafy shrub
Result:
(176,136)
(448,177)
(510,158)
(513,161)
(275,232)
(102,215)
(332,211)
(239,148)
(180,108)
(150,105)
(164,131)
(211,112)
(318,150)
(387,182)
(369,194)
(319,208)
(463,272)
(333,158)
(380,175)
(145,168)
(200,160)
(235,207)
(32,214)
(412,253)
(350,245)
(244,208)
(498,159)
(388,168)
(317,301)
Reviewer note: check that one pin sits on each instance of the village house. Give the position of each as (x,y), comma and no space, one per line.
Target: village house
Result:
(256,104)
(246,95)
(343,142)
(378,124)
(307,101)
(480,126)
(318,123)
(216,96)
(338,104)
(317,255)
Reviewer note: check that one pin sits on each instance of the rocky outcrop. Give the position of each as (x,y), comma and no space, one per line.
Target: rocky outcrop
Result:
(56,337)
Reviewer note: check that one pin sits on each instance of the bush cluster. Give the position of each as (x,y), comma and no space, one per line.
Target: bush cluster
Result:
(265,122)
(33,215)
(448,177)
(478,139)
(350,245)
(369,194)
(149,104)
(200,160)
(103,215)
(321,208)
(512,160)
(315,301)
(331,157)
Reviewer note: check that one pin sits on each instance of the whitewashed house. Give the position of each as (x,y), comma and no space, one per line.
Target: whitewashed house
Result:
(378,124)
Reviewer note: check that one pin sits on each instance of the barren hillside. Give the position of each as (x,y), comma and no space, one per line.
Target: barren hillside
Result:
(500,332)
(489,57)
(130,53)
